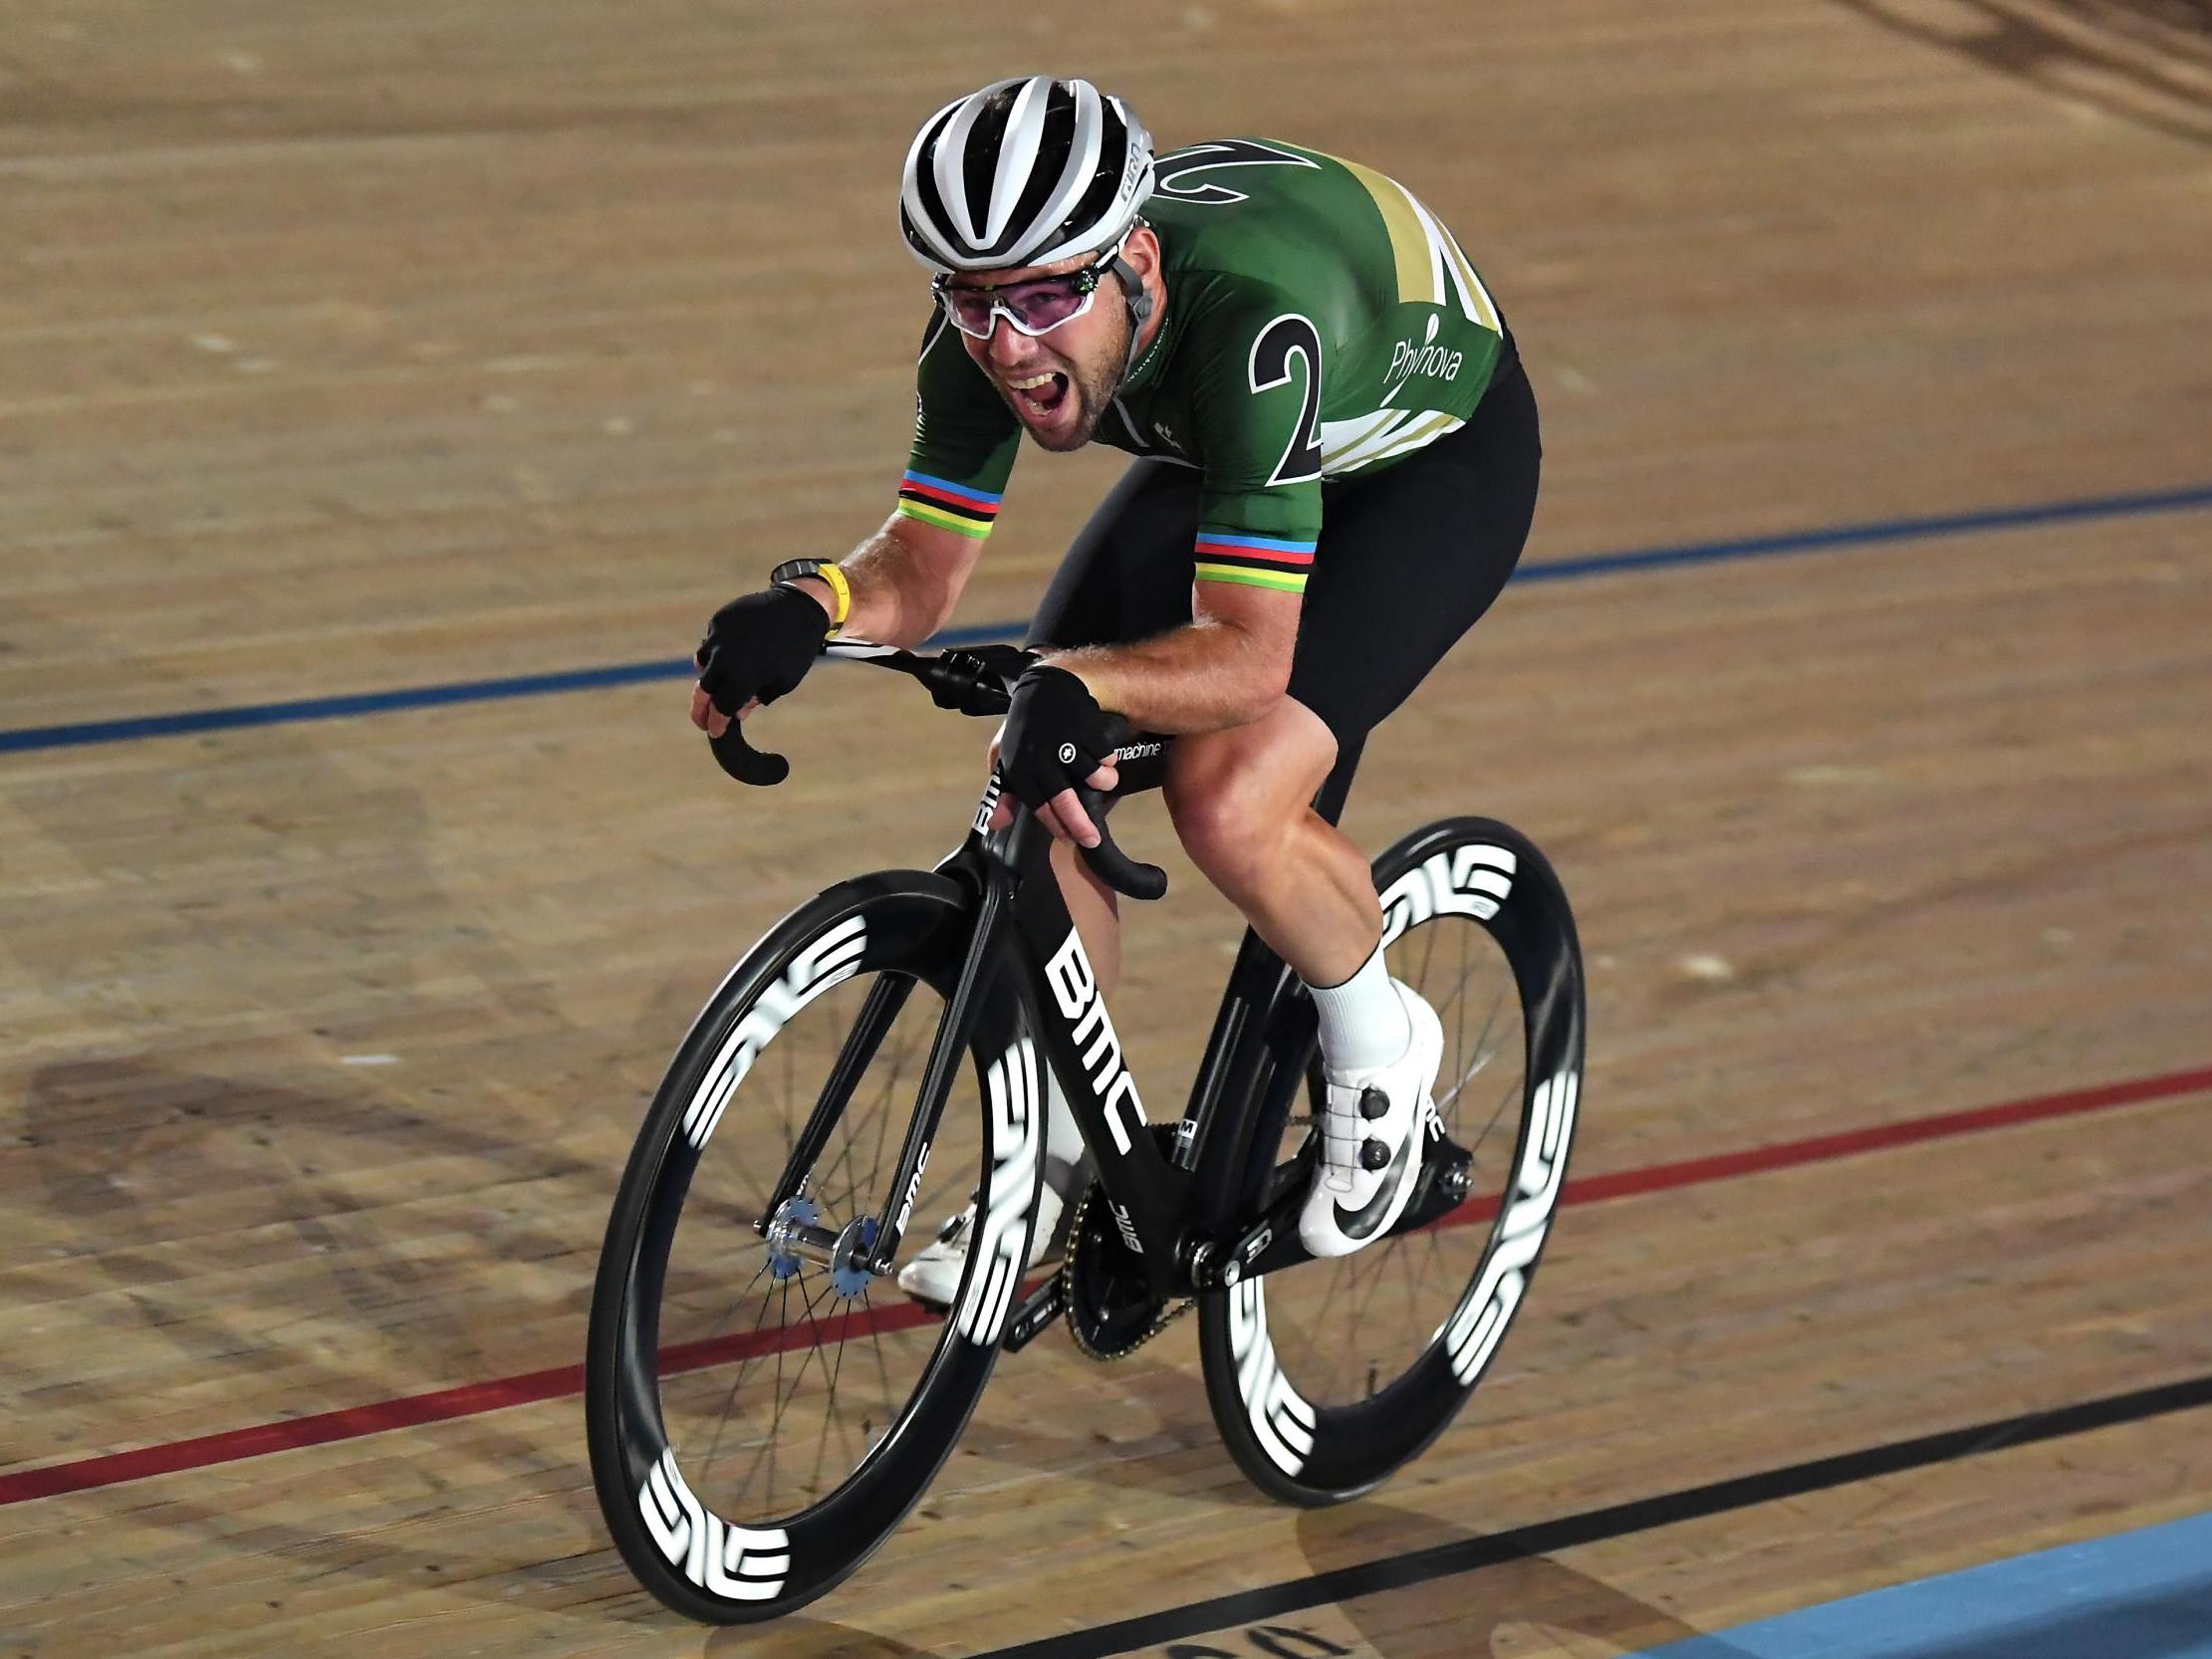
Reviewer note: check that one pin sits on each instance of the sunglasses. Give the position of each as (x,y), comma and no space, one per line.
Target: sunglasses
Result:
(1036,307)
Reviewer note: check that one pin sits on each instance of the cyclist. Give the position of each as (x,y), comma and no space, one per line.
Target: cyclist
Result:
(1337,460)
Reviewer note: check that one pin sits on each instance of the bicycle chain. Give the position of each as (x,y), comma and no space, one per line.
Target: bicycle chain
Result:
(1167,1317)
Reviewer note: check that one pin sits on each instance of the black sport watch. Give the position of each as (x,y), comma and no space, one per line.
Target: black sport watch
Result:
(841,590)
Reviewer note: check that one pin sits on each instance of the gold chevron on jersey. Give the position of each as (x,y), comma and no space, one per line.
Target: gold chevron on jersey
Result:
(1347,445)
(1431,269)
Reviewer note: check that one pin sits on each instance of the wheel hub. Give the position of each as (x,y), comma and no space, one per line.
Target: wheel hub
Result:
(783,1233)
(848,1270)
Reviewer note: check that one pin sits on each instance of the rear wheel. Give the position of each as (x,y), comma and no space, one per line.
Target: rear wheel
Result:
(763,1410)
(1327,1376)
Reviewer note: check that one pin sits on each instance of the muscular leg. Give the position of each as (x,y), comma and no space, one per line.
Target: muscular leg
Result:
(1127,576)
(1239,803)
(1094,906)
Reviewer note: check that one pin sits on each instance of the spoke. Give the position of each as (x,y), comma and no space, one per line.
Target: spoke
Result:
(746,1422)
(890,1076)
(781,1396)
(835,1414)
(1317,1325)
(1334,1349)
(875,1346)
(767,1448)
(1435,1245)
(1460,1023)
(807,1359)
(848,1201)
(1515,1088)
(714,1449)
(840,1182)
(1400,1247)
(827,1175)
(1429,955)
(715,1325)
(1483,1052)
(1360,1315)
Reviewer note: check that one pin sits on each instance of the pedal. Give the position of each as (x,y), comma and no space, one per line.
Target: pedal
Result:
(1442,1186)
(1038,1309)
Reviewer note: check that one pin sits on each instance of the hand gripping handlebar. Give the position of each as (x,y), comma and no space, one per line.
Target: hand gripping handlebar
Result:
(978,680)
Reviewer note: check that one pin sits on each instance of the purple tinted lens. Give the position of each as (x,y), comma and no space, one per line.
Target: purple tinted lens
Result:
(970,308)
(1044,304)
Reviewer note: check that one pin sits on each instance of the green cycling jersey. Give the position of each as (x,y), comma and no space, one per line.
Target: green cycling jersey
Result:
(1321,323)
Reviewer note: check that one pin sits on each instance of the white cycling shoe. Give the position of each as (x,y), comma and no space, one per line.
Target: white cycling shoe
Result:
(933,1276)
(1372,1140)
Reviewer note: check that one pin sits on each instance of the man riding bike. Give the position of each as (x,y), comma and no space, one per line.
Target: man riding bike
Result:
(1337,461)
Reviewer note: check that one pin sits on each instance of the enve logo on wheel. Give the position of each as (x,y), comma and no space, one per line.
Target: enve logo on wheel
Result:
(1473,880)
(996,1273)
(1473,1333)
(1281,1418)
(746,1563)
(1283,1410)
(833,956)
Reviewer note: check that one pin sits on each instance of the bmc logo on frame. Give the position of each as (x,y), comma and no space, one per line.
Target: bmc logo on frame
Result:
(987,806)
(1076,989)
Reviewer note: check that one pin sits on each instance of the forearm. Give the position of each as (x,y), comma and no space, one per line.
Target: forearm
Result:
(1206,676)
(902,592)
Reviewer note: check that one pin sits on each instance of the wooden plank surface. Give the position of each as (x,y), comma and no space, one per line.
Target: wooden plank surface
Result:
(350,351)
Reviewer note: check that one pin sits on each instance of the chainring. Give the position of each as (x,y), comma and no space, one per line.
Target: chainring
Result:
(1112,1311)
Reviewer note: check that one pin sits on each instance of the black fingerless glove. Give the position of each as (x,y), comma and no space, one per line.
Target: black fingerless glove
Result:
(760,645)
(1055,735)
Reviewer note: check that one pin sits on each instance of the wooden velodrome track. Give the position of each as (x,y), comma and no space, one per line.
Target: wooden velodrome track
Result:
(354,350)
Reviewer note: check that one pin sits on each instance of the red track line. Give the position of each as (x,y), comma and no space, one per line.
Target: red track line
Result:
(1819,1148)
(531,1387)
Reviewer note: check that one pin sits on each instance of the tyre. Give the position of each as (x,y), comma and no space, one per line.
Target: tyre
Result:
(1327,1376)
(761,1414)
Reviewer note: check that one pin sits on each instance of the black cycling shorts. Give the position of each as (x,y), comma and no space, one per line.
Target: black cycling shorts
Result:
(1407,561)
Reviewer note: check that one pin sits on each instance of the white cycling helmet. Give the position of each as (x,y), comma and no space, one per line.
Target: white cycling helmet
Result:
(1027,171)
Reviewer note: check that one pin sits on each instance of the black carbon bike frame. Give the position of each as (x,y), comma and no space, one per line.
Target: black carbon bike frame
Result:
(1191,1234)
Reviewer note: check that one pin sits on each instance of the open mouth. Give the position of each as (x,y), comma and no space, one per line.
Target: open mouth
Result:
(1042,393)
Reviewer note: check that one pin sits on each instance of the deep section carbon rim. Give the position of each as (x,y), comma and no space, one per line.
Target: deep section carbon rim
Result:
(1327,1376)
(764,1408)
(1346,1330)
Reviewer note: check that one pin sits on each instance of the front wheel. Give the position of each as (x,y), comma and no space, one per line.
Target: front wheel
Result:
(761,1408)
(1325,1377)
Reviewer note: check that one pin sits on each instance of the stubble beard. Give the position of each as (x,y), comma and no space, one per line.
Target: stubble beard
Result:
(1096,387)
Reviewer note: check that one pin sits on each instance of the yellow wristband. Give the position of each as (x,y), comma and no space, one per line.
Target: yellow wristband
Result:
(841,589)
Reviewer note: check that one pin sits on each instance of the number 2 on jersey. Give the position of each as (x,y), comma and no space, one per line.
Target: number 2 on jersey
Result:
(1292,336)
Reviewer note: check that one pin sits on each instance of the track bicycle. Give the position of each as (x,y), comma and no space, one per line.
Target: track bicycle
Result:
(763,1406)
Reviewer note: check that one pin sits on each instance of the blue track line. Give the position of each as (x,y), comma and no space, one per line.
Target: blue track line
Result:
(87,733)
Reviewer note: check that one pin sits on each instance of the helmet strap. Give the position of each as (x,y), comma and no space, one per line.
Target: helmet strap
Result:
(1139,301)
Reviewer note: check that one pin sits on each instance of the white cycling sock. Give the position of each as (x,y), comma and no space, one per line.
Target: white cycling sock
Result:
(1362,1023)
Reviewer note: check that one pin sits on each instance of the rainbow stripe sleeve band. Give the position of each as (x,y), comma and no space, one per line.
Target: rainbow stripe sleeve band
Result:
(1254,560)
(948,506)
